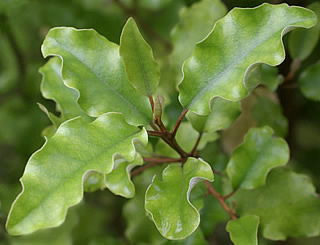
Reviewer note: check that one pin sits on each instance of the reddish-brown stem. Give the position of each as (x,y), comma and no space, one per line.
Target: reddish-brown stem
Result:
(151,102)
(220,200)
(154,127)
(229,195)
(154,161)
(193,151)
(154,133)
(175,129)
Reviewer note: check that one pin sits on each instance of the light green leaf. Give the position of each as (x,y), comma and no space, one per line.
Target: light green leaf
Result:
(255,157)
(196,238)
(142,70)
(119,181)
(268,113)
(167,201)
(302,42)
(52,87)
(93,66)
(223,114)
(52,181)
(309,82)
(195,23)
(243,38)
(287,205)
(264,74)
(244,231)
(93,181)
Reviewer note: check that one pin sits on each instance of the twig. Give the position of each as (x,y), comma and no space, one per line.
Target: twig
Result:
(152,162)
(229,195)
(154,133)
(193,151)
(220,200)
(176,126)
(151,102)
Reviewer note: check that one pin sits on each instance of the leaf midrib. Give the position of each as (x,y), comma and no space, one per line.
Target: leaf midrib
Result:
(101,80)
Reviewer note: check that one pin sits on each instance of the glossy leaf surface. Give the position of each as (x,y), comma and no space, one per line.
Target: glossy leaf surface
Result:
(287,205)
(143,71)
(52,87)
(309,82)
(255,157)
(167,201)
(223,114)
(52,181)
(119,180)
(244,231)
(92,65)
(302,42)
(219,64)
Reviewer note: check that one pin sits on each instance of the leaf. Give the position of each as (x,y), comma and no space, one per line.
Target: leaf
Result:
(196,238)
(243,231)
(119,180)
(255,157)
(287,205)
(302,42)
(309,82)
(195,23)
(93,181)
(93,66)
(142,70)
(56,170)
(243,38)
(52,87)
(223,114)
(167,201)
(264,74)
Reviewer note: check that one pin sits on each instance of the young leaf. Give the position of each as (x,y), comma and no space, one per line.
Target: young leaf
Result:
(52,87)
(302,42)
(143,71)
(119,181)
(52,181)
(93,66)
(244,231)
(223,114)
(309,82)
(287,205)
(255,157)
(244,37)
(167,201)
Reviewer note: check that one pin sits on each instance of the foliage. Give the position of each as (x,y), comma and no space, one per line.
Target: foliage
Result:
(181,123)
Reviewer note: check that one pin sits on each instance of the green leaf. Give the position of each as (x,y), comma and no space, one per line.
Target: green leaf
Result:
(119,181)
(195,23)
(264,74)
(302,42)
(93,181)
(223,114)
(255,157)
(52,181)
(52,87)
(196,238)
(268,113)
(243,38)
(243,231)
(309,82)
(142,70)
(167,201)
(287,205)
(93,66)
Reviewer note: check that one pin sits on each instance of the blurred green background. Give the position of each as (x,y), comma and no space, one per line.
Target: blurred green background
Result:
(23,26)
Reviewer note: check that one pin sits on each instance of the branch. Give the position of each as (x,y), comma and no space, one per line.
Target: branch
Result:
(153,162)
(220,200)
(175,129)
(193,151)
